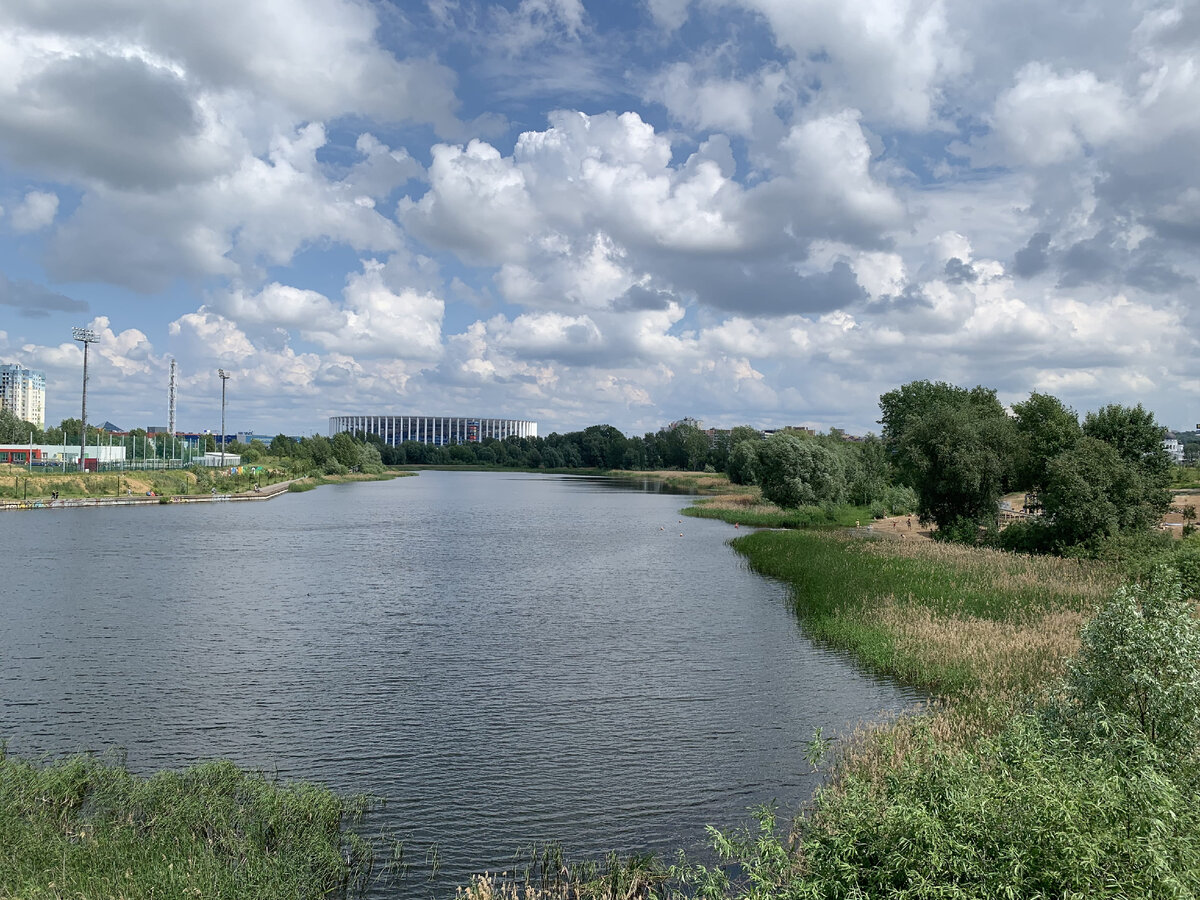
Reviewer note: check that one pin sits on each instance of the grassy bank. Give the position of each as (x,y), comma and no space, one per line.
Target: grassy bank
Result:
(1032,776)
(721,499)
(1001,789)
(961,621)
(83,828)
(18,484)
(310,482)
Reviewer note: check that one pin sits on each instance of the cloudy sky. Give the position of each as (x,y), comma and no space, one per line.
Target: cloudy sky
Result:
(586,211)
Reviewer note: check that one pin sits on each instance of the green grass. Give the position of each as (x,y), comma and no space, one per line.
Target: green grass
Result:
(87,828)
(767,515)
(949,618)
(1185,477)
(309,482)
(37,485)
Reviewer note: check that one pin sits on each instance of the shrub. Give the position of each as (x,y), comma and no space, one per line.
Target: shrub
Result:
(1138,668)
(1032,536)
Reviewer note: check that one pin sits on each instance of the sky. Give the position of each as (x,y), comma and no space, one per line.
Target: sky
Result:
(762,212)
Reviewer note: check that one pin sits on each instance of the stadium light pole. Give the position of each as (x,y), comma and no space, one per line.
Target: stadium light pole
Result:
(224,378)
(85,336)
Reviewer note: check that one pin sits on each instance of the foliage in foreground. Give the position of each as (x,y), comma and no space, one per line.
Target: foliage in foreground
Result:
(1090,794)
(1028,812)
(85,828)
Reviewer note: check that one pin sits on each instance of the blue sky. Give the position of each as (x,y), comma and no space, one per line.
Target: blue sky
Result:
(745,211)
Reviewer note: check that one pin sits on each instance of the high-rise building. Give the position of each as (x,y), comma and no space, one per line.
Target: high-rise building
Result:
(23,393)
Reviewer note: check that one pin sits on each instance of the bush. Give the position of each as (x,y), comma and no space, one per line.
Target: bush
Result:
(1138,668)
(1031,536)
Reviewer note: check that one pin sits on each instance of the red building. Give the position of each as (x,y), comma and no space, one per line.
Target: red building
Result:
(18,455)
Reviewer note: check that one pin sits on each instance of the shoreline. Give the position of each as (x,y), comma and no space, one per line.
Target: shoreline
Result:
(269,492)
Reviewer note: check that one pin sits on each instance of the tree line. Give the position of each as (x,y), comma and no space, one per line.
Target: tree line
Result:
(1085,482)
(945,453)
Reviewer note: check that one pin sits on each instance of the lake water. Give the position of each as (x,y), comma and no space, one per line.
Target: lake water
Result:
(508,659)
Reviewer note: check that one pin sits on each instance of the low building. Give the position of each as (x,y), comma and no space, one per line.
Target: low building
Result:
(58,454)
(217,459)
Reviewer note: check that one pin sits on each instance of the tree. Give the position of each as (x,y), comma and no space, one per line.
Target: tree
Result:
(1083,492)
(369,459)
(954,447)
(282,445)
(319,449)
(743,462)
(1135,435)
(602,446)
(1045,428)
(868,473)
(1113,480)
(345,449)
(799,471)
(14,430)
(1092,492)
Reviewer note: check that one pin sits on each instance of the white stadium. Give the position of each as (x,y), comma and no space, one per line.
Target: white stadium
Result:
(438,430)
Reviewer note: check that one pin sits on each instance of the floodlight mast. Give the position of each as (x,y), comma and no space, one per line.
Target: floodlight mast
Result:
(224,376)
(85,336)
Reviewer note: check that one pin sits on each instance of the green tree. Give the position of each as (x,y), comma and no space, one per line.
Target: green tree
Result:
(1045,428)
(345,449)
(369,459)
(602,446)
(954,447)
(799,471)
(1092,492)
(1085,487)
(319,449)
(282,445)
(1113,480)
(743,462)
(868,471)
(684,447)
(14,430)
(1134,433)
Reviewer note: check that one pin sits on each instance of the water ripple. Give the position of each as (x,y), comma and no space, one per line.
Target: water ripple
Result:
(508,660)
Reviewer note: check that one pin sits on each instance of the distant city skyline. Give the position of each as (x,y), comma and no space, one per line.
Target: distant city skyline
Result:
(744,211)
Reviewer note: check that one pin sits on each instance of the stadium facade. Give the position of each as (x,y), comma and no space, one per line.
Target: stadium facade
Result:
(439,430)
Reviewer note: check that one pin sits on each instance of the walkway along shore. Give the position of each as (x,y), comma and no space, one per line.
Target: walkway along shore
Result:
(269,492)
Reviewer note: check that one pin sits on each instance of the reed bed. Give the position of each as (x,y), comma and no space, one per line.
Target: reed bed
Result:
(87,828)
(700,482)
(961,621)
(752,510)
(544,874)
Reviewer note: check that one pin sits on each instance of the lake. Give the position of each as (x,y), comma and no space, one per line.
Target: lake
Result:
(509,659)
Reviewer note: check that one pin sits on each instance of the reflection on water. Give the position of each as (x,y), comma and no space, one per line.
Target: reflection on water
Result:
(508,659)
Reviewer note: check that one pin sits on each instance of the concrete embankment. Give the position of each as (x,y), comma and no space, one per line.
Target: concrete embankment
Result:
(266,493)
